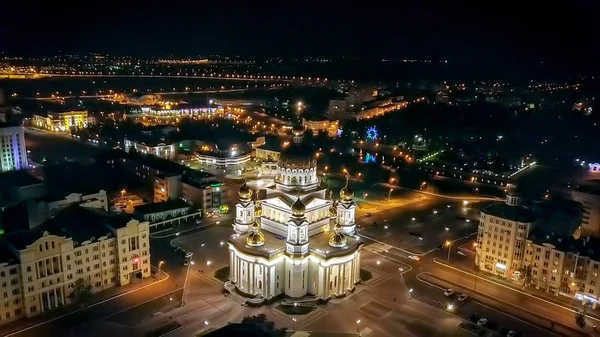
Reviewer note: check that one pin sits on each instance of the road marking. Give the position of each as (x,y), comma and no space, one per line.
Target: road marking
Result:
(513,289)
(501,312)
(89,306)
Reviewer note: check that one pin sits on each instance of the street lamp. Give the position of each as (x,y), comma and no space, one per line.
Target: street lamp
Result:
(357,326)
(386,228)
(448,244)
(159,270)
(365,195)
(390,193)
(208,263)
(294,324)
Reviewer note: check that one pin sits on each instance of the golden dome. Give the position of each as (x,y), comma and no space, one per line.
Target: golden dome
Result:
(257,211)
(337,239)
(245,192)
(255,238)
(346,193)
(298,208)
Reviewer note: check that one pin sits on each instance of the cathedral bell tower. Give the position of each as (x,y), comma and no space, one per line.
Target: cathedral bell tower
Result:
(297,230)
(346,210)
(244,211)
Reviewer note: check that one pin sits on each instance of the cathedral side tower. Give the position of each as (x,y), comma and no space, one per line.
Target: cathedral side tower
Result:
(244,211)
(346,210)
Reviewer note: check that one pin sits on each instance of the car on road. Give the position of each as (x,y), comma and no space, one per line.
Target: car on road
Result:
(188,255)
(386,220)
(482,321)
(511,333)
(186,262)
(462,297)
(368,214)
(198,221)
(375,223)
(414,257)
(449,292)
(460,252)
(474,318)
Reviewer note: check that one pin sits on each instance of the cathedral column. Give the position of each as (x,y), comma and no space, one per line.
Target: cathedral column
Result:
(55,297)
(48,299)
(251,278)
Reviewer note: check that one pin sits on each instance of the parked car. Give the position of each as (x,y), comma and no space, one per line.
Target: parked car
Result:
(462,297)
(186,262)
(368,214)
(474,318)
(482,321)
(414,257)
(449,292)
(513,333)
(385,220)
(188,255)
(460,252)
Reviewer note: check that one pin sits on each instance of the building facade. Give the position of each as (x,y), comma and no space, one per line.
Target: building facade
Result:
(228,162)
(62,121)
(501,237)
(41,268)
(161,150)
(13,154)
(296,241)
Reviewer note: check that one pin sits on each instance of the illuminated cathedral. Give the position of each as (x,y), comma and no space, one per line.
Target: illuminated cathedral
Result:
(297,241)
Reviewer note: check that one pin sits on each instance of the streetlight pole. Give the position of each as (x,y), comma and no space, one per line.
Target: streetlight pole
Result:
(159,269)
(357,327)
(449,245)
(390,194)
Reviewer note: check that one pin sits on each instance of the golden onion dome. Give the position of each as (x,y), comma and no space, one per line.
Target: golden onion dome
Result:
(298,208)
(255,238)
(245,192)
(337,239)
(346,193)
(257,211)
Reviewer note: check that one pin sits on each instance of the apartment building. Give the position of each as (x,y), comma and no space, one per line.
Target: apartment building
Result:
(40,267)
(13,154)
(501,236)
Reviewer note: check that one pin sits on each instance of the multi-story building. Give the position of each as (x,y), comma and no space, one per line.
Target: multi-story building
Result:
(501,236)
(41,268)
(13,155)
(62,121)
(41,209)
(206,193)
(159,149)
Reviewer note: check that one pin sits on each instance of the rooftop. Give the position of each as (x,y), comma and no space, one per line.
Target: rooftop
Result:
(158,207)
(275,245)
(513,213)
(148,140)
(160,164)
(79,223)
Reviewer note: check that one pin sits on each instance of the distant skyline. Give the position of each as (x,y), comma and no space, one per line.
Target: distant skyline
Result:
(557,33)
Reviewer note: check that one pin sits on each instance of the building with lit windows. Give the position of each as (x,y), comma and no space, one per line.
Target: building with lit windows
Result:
(297,241)
(62,121)
(159,149)
(13,154)
(501,237)
(330,127)
(226,160)
(40,267)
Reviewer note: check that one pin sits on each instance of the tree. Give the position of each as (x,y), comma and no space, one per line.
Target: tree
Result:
(526,275)
(262,322)
(580,318)
(82,291)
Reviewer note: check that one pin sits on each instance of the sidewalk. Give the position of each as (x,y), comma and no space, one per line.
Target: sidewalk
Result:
(531,291)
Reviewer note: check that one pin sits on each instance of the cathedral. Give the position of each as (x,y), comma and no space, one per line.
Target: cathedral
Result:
(297,241)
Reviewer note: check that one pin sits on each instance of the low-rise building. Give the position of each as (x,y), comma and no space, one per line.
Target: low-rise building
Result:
(42,267)
(157,148)
(41,209)
(160,212)
(229,161)
(588,194)
(330,127)
(62,121)
(205,193)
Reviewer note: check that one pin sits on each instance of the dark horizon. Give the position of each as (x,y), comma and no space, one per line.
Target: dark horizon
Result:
(508,34)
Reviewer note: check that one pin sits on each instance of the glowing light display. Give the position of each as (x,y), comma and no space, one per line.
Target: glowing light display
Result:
(594,167)
(372,133)
(369,158)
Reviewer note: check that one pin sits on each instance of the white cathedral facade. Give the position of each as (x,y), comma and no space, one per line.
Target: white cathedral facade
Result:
(295,242)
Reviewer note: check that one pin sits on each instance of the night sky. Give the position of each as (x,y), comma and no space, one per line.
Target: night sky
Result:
(553,32)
